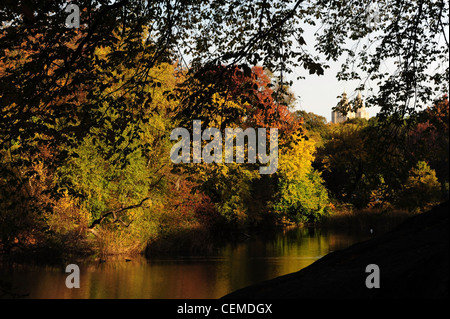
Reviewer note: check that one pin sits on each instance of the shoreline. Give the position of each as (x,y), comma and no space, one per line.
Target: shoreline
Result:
(205,241)
(413,260)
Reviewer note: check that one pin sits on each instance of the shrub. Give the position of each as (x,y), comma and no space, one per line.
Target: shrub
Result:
(421,189)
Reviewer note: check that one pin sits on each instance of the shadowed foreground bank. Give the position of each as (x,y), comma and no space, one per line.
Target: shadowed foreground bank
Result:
(413,260)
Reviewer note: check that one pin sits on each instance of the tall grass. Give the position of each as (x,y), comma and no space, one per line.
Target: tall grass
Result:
(190,238)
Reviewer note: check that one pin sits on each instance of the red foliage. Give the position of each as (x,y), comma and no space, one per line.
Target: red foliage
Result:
(192,206)
(429,139)
(262,109)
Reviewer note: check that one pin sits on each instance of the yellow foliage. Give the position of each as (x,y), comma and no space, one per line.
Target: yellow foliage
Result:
(295,160)
(67,217)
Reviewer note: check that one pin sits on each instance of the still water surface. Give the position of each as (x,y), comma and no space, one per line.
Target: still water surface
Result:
(233,266)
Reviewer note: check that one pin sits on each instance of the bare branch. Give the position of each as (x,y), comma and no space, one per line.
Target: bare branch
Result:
(116,211)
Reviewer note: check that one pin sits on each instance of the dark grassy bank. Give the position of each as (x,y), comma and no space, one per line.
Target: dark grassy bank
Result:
(194,238)
(376,221)
(413,260)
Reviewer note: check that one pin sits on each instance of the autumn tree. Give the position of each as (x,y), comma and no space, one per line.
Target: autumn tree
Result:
(429,139)
(57,91)
(301,193)
(421,189)
(237,100)
(343,161)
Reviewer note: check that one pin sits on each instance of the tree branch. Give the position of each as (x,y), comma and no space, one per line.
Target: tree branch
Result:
(92,29)
(116,211)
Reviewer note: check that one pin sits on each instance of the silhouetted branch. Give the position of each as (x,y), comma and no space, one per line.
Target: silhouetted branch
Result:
(116,211)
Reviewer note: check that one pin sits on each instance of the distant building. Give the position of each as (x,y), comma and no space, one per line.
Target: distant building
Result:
(357,104)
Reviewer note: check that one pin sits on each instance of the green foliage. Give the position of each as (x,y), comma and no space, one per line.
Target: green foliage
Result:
(301,195)
(343,161)
(103,183)
(421,188)
(303,199)
(315,126)
(228,186)
(369,163)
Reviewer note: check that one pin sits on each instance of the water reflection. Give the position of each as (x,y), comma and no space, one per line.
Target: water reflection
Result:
(234,266)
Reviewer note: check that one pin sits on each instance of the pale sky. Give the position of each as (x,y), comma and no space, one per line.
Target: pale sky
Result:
(318,94)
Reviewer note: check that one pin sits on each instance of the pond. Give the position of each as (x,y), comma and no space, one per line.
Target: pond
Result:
(233,266)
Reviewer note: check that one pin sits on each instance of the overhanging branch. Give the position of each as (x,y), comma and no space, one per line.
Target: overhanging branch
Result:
(115,212)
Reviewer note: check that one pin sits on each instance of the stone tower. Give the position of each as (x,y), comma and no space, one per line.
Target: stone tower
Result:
(345,106)
(360,108)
